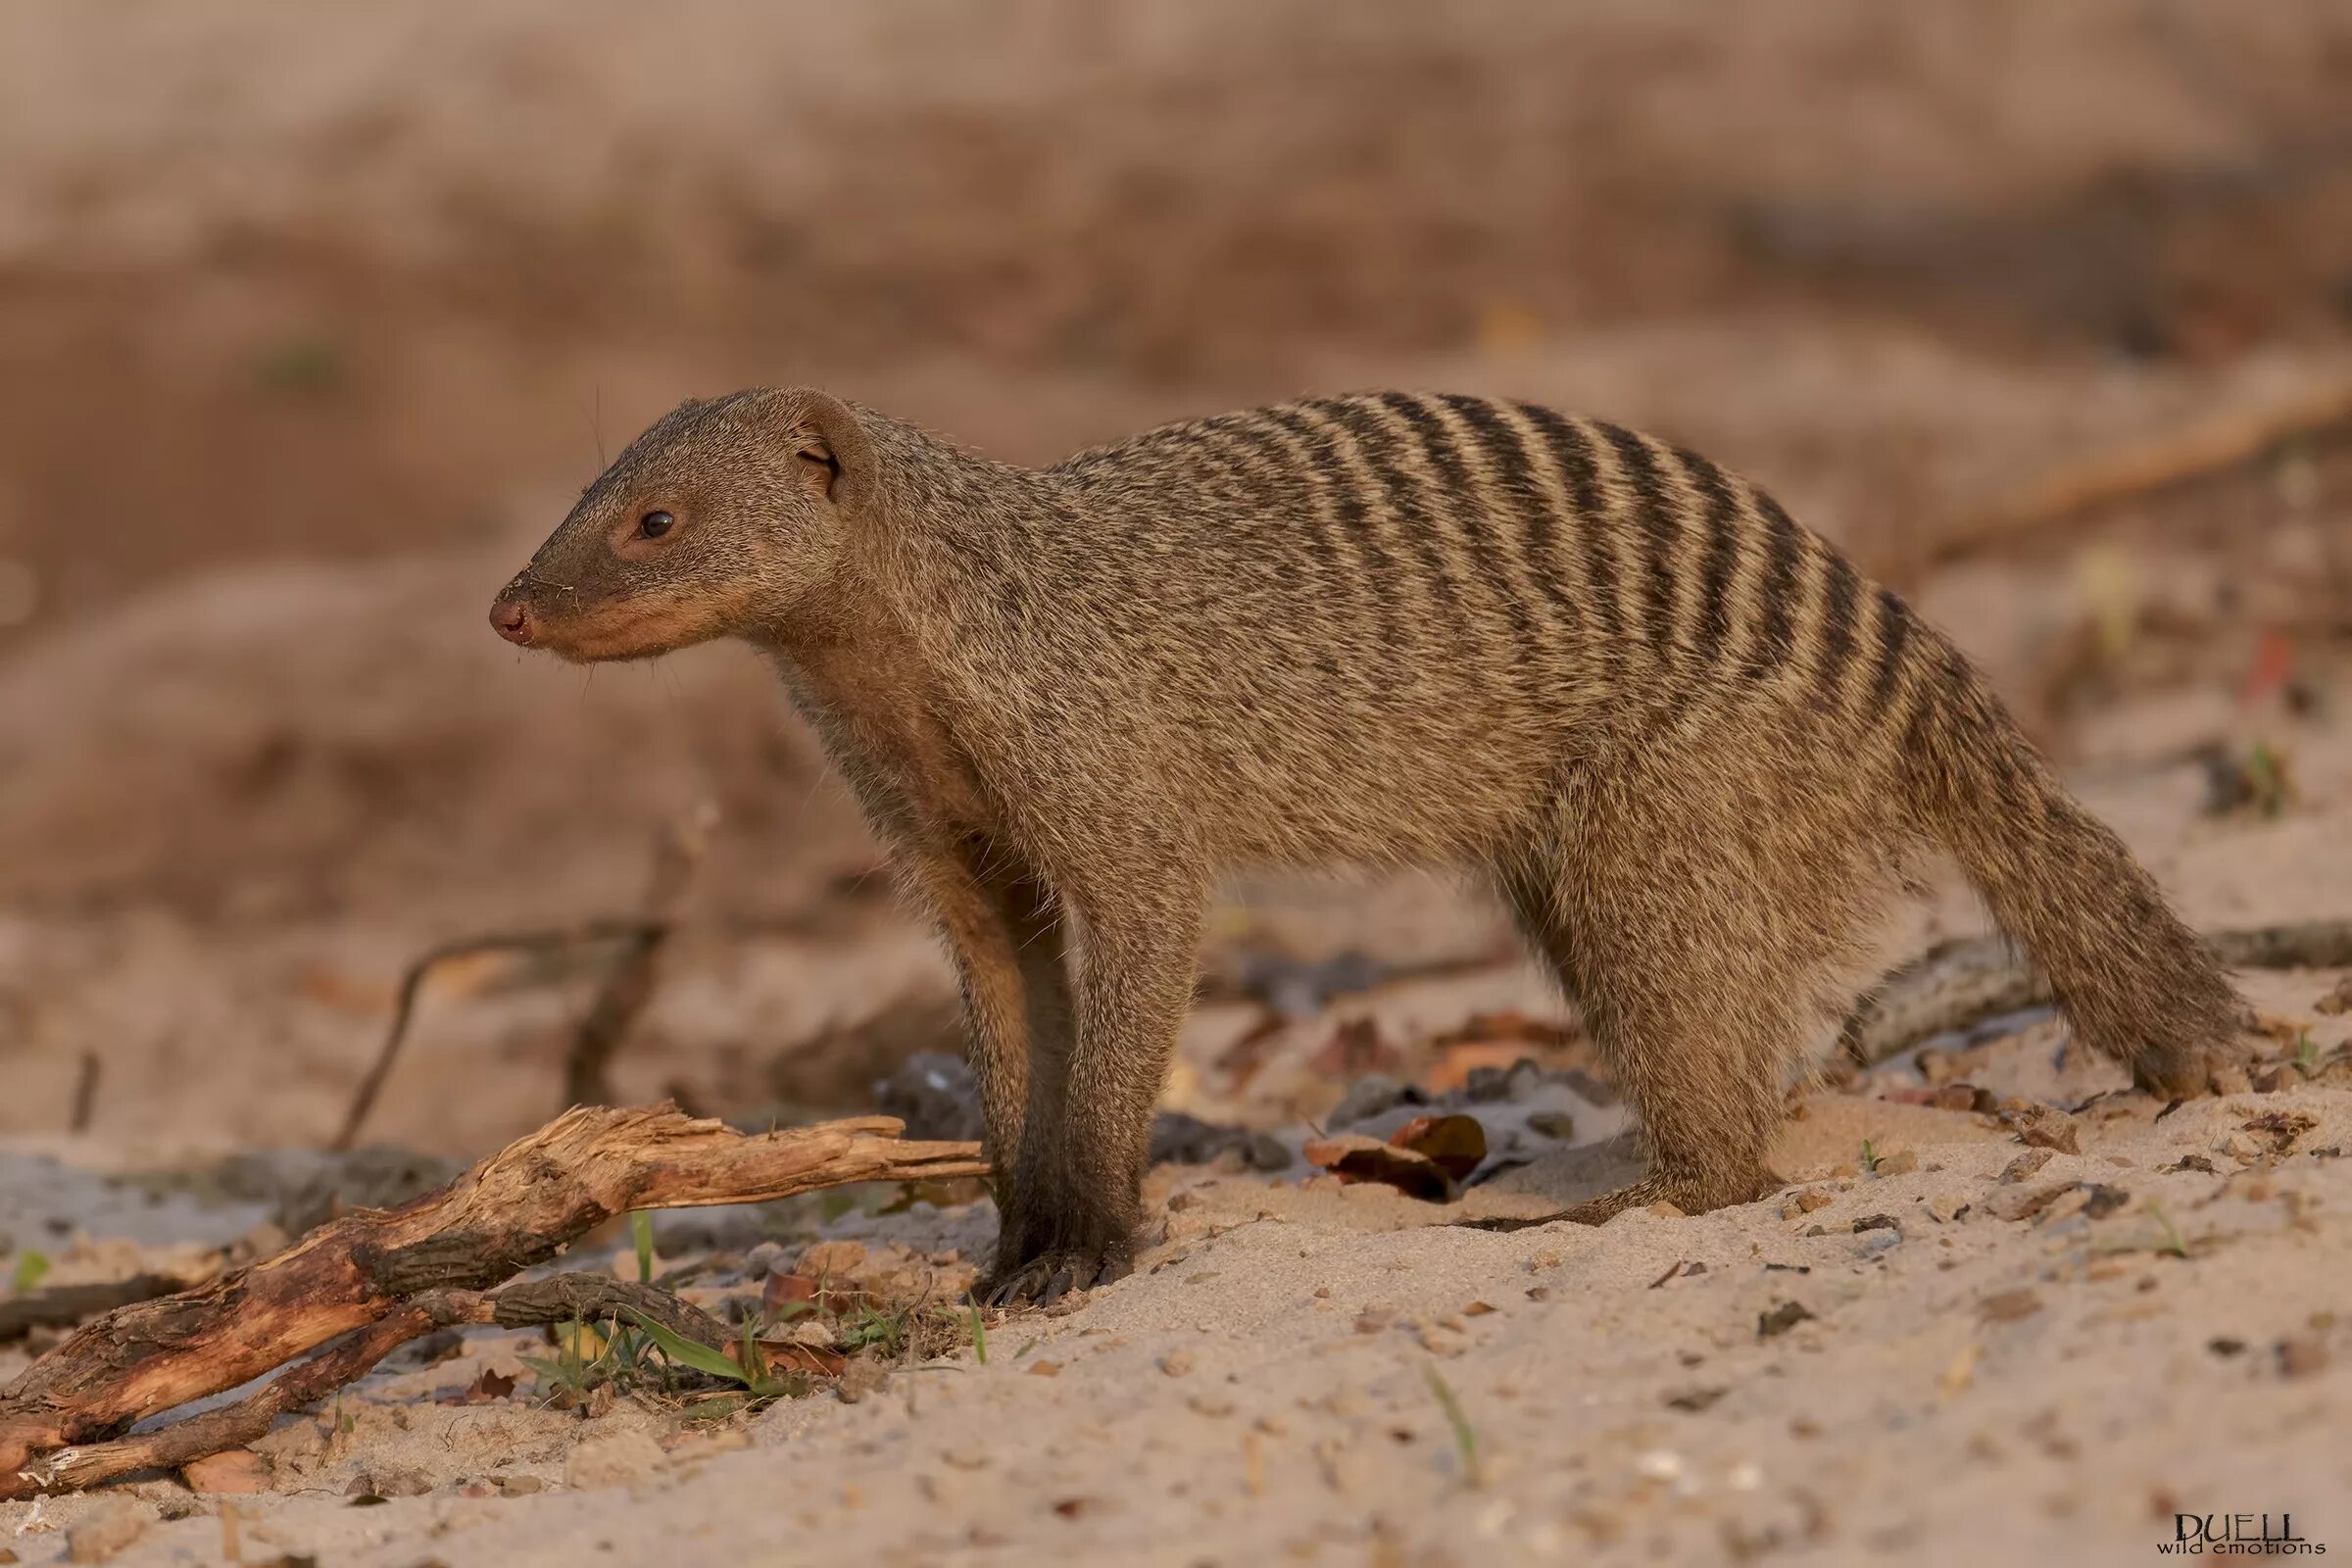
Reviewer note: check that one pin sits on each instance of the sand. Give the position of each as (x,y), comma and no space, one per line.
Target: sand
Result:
(314,325)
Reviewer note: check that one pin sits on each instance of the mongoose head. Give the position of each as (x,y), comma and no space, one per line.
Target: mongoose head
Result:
(724,517)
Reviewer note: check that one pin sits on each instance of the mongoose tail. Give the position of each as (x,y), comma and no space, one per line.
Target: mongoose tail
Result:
(2133,980)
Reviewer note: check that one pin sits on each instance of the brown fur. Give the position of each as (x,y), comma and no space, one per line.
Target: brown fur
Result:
(1687,740)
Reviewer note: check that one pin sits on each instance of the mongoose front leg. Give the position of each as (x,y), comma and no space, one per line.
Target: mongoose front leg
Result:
(1077,1190)
(1004,931)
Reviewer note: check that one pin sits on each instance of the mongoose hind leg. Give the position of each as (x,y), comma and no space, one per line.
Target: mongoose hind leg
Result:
(1695,1039)
(1693,923)
(1077,1187)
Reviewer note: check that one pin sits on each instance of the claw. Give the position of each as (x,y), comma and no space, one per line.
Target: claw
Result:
(1048,1279)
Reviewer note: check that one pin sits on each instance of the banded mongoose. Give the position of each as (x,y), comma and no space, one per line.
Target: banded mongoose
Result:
(1684,740)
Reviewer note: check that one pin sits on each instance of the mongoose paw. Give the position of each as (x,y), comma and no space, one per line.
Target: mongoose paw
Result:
(2191,1072)
(1050,1275)
(1692,1197)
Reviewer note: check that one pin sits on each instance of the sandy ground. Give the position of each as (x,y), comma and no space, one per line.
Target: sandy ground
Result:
(1996,1361)
(311,321)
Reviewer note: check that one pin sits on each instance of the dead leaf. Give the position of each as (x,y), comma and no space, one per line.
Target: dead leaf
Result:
(809,1358)
(783,1291)
(1355,1049)
(2045,1127)
(2277,1130)
(1781,1319)
(1508,1024)
(1456,1144)
(1457,1062)
(483,1390)
(1353,1157)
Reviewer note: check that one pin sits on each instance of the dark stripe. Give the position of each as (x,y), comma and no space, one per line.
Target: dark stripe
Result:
(1501,446)
(1655,516)
(1436,442)
(1296,482)
(1838,628)
(1375,577)
(1895,631)
(1377,445)
(1776,635)
(1351,506)
(1723,553)
(1574,458)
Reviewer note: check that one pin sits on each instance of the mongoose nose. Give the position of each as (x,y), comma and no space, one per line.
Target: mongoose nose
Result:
(512,618)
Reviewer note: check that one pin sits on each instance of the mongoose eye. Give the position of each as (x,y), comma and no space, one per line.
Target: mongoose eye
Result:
(654,524)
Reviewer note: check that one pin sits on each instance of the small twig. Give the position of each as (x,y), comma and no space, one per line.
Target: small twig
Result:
(628,985)
(61,1306)
(2220,442)
(411,981)
(85,1092)
(184,1442)
(597,1299)
(1957,984)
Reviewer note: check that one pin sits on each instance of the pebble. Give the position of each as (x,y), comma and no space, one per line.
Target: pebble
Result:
(2020,1202)
(2026,1167)
(613,1461)
(2301,1355)
(114,1525)
(1176,1363)
(1945,1207)
(2046,1127)
(2072,1201)
(2009,1306)
(864,1375)
(400,1483)
(232,1470)
(1900,1164)
(831,1259)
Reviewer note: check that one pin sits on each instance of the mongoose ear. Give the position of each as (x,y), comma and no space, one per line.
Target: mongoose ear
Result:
(830,438)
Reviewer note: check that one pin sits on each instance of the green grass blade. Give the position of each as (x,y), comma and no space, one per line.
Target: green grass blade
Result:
(688,1353)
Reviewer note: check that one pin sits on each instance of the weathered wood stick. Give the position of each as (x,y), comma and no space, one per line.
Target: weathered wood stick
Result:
(61,1306)
(2214,445)
(512,1212)
(531,1303)
(1961,983)
(412,983)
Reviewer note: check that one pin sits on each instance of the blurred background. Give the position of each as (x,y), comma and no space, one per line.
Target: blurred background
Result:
(313,320)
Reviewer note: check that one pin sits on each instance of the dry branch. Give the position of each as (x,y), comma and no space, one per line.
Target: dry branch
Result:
(61,1306)
(2217,444)
(629,984)
(1959,983)
(380,1270)
(532,1304)
(411,981)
